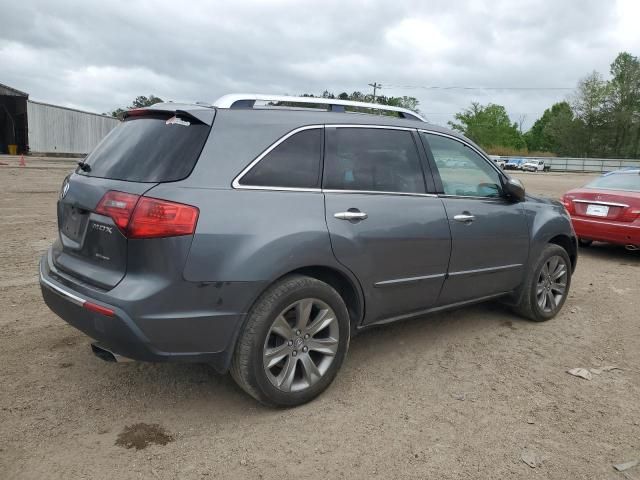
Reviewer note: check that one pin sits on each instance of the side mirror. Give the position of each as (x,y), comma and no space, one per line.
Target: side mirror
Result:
(514,188)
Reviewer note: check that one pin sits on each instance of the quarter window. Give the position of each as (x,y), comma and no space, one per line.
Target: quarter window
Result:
(462,171)
(295,163)
(372,159)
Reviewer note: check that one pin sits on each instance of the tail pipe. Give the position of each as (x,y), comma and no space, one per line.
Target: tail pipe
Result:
(107,355)
(632,248)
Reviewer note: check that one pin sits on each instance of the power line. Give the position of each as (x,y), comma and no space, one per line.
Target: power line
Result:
(460,87)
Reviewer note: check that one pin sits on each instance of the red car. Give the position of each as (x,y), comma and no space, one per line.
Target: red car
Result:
(607,209)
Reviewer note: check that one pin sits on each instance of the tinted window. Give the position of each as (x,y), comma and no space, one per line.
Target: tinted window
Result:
(372,159)
(463,172)
(618,181)
(295,163)
(149,149)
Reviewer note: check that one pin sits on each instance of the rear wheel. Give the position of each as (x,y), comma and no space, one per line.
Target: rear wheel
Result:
(547,285)
(585,242)
(293,343)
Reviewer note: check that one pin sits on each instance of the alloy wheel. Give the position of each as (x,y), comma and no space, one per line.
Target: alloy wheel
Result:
(301,345)
(552,284)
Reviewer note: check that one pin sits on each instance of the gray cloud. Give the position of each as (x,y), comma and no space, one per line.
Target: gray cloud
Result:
(100,55)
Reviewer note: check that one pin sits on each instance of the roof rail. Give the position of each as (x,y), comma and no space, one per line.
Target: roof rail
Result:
(248,100)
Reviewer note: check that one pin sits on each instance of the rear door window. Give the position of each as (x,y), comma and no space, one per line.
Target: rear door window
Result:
(294,163)
(372,159)
(149,148)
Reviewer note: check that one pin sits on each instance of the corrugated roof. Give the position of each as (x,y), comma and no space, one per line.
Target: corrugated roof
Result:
(7,90)
(72,109)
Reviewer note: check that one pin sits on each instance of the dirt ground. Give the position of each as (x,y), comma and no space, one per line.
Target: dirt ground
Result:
(464,394)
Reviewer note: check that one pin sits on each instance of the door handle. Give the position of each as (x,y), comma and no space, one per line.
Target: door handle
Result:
(350,215)
(464,218)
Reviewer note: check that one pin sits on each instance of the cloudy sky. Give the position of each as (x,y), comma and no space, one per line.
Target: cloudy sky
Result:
(99,55)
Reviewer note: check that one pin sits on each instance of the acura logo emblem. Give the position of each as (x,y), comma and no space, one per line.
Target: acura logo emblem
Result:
(65,189)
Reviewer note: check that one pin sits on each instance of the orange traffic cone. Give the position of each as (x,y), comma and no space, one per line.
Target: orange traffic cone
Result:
(22,162)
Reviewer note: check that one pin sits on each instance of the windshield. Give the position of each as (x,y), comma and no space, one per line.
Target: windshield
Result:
(154,148)
(618,181)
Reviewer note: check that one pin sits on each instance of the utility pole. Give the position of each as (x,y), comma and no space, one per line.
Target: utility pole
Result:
(375,86)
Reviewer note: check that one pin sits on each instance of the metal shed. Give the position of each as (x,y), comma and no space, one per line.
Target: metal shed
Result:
(46,129)
(65,131)
(13,118)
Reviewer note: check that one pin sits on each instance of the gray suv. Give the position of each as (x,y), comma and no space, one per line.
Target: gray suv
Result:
(259,238)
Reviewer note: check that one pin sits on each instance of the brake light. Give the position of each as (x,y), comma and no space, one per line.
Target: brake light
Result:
(146,217)
(154,218)
(119,206)
(568,204)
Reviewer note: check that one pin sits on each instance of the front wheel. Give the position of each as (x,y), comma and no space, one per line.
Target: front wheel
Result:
(294,342)
(547,285)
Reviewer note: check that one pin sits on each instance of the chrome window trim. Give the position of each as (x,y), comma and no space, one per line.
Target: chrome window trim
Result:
(493,165)
(402,281)
(363,125)
(238,186)
(379,192)
(473,197)
(599,202)
(236,181)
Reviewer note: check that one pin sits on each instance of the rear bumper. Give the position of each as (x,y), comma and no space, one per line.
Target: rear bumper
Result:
(154,321)
(621,233)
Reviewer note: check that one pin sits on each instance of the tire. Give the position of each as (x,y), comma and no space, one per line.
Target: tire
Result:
(271,358)
(584,242)
(529,305)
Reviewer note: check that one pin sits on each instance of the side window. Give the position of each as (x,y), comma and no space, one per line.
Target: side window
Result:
(295,163)
(372,159)
(463,172)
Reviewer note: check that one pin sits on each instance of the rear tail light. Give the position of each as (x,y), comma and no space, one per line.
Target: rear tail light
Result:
(119,206)
(146,217)
(630,214)
(568,204)
(159,218)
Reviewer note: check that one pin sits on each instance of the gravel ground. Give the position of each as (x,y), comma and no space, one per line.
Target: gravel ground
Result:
(464,394)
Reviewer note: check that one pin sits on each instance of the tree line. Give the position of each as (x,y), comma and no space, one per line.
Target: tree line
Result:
(601,118)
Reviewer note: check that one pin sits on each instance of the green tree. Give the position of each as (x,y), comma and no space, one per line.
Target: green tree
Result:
(548,133)
(588,106)
(489,126)
(623,106)
(140,102)
(563,132)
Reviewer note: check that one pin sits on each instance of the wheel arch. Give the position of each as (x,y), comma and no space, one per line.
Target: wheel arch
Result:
(570,245)
(347,287)
(342,283)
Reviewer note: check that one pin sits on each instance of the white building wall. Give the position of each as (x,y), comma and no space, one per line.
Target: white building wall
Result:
(60,130)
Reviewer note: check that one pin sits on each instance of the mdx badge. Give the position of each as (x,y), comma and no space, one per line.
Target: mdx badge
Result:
(102,228)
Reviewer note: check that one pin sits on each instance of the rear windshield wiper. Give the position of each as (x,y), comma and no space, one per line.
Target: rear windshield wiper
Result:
(85,167)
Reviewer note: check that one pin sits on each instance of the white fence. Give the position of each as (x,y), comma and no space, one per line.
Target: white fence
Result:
(600,165)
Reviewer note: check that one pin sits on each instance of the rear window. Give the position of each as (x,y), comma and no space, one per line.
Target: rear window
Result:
(156,148)
(618,181)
